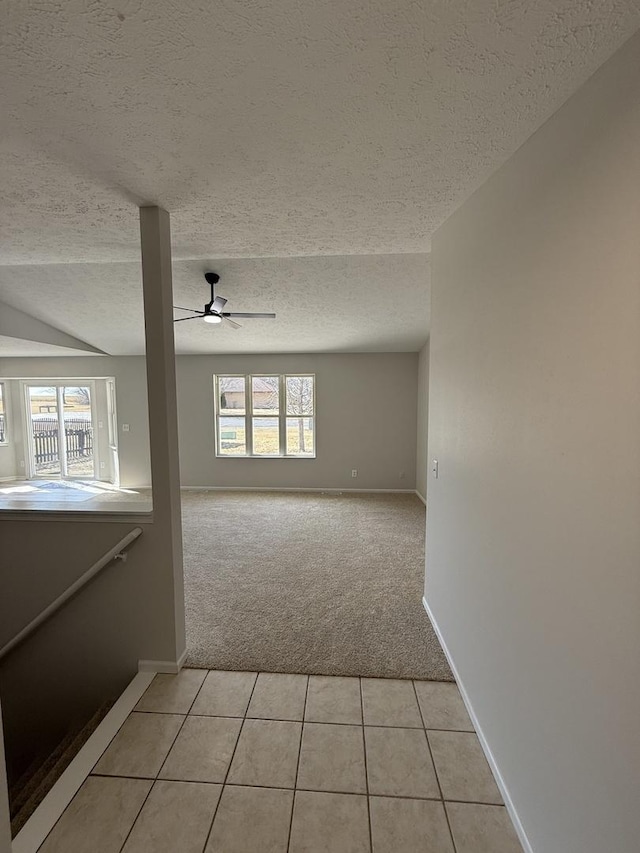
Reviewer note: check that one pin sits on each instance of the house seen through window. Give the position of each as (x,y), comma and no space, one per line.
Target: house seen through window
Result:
(265,415)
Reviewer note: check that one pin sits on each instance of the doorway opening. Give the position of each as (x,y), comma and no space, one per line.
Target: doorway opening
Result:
(65,430)
(59,447)
(61,421)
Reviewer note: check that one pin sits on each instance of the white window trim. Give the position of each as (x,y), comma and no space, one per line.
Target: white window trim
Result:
(3,385)
(27,434)
(249,416)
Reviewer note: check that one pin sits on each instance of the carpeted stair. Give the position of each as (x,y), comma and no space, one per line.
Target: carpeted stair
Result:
(35,783)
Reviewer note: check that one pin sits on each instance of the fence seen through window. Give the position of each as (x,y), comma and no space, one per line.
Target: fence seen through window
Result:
(61,430)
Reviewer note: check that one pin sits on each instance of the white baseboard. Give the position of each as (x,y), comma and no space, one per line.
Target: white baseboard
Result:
(170,666)
(483,741)
(423,499)
(327,489)
(42,821)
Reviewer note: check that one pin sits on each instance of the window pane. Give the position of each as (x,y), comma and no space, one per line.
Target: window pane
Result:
(232,436)
(232,396)
(266,393)
(266,437)
(78,428)
(299,395)
(300,437)
(43,403)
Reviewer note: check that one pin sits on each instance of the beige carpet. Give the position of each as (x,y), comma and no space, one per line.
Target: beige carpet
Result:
(310,583)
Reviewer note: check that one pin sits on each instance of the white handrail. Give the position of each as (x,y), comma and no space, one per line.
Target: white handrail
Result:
(112,554)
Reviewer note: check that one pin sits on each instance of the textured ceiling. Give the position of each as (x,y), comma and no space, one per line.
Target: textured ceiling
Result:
(272,128)
(341,130)
(354,303)
(19,348)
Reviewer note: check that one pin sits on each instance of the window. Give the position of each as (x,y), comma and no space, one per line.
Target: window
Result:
(265,415)
(3,414)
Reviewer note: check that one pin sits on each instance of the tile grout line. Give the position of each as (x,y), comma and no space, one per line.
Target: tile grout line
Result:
(366,771)
(317,722)
(435,769)
(295,783)
(186,717)
(226,775)
(86,777)
(155,779)
(308,790)
(288,788)
(226,783)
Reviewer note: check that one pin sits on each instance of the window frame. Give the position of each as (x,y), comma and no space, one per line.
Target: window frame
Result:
(249,416)
(5,415)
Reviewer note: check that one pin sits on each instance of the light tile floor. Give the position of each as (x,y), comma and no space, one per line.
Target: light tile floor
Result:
(241,762)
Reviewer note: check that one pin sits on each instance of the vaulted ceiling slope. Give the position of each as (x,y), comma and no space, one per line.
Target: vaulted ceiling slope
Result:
(355,303)
(285,128)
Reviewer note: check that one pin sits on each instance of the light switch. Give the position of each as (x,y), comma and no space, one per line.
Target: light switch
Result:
(434,468)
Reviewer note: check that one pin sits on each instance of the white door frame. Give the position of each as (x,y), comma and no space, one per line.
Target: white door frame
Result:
(58,384)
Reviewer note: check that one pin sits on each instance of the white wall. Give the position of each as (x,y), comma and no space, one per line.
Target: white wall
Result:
(131,406)
(533,570)
(8,461)
(366,419)
(422,456)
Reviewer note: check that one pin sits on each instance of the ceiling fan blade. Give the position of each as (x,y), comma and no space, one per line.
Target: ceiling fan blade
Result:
(193,310)
(255,316)
(231,322)
(195,317)
(218,304)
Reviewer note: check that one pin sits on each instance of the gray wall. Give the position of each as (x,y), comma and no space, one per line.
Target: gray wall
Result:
(87,652)
(422,461)
(131,611)
(91,646)
(533,570)
(131,405)
(366,419)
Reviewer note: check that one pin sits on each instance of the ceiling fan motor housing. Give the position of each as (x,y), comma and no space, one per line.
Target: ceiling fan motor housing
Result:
(213,310)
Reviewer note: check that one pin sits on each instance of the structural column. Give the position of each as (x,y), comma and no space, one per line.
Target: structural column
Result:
(162,400)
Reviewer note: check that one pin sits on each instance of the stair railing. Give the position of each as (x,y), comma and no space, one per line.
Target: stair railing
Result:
(116,553)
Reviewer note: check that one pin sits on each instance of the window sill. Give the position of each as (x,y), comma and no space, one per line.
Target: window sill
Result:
(260,456)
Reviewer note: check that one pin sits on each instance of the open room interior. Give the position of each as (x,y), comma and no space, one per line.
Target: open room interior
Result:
(319,418)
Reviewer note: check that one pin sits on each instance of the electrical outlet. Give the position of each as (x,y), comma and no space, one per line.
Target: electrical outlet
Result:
(125,427)
(354,472)
(100,425)
(102,466)
(402,475)
(22,463)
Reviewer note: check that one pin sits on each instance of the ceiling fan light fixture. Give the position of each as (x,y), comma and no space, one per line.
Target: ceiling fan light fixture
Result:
(212,318)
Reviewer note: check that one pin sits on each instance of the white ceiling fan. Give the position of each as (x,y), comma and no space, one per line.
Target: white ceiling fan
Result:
(213,312)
